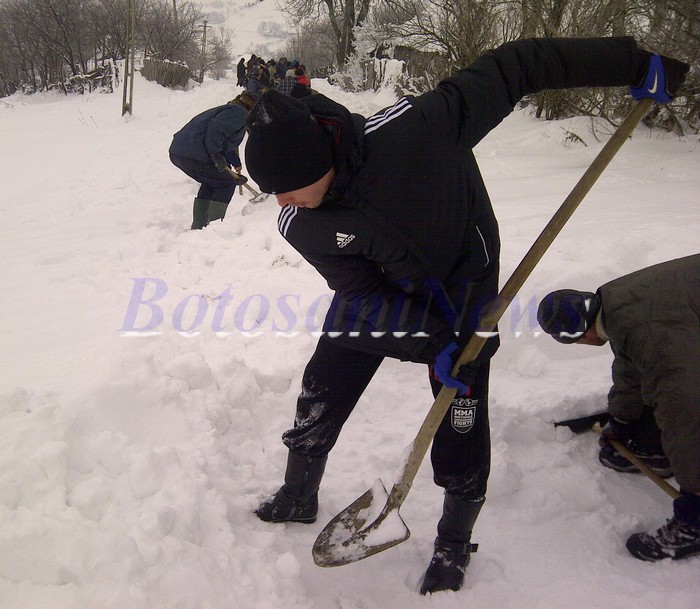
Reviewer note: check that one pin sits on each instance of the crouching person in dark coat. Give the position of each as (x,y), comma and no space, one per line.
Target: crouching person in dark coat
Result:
(651,318)
(393,213)
(206,148)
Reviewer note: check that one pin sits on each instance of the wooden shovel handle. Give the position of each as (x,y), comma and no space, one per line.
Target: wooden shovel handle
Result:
(246,186)
(643,467)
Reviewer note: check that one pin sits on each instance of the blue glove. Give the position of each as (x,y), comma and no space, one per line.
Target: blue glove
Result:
(443,371)
(662,79)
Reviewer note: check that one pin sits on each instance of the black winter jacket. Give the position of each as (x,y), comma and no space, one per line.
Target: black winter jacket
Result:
(652,318)
(407,237)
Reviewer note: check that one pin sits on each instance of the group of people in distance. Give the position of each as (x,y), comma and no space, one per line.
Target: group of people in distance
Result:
(288,77)
(354,204)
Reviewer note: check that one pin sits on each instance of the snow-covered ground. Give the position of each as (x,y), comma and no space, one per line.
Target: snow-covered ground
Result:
(148,372)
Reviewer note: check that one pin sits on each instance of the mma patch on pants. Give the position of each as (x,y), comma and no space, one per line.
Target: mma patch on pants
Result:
(463,413)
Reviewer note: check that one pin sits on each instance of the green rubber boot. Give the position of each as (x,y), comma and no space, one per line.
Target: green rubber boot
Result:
(217,210)
(200,213)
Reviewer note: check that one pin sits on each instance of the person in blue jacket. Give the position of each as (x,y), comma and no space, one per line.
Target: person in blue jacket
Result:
(393,213)
(205,148)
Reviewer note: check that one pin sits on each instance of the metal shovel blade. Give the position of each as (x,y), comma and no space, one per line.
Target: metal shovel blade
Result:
(369,525)
(259,197)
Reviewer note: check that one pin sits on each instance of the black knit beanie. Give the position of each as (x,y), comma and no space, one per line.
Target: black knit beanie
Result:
(567,314)
(287,148)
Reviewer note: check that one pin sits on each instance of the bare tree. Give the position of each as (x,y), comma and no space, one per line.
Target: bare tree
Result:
(163,39)
(674,29)
(461,29)
(670,27)
(46,43)
(312,44)
(107,19)
(218,52)
(39,42)
(342,16)
(52,28)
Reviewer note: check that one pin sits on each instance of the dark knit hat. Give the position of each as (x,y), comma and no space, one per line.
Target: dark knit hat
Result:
(287,148)
(567,314)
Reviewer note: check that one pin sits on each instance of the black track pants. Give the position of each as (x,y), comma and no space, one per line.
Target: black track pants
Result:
(334,381)
(461,451)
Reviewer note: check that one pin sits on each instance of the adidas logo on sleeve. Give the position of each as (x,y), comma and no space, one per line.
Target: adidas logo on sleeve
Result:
(343,239)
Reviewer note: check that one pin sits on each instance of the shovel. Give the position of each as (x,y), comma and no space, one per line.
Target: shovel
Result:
(258,197)
(585,423)
(672,491)
(372,524)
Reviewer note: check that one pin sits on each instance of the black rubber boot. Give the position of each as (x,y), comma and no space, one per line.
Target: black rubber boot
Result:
(453,545)
(200,213)
(297,500)
(217,210)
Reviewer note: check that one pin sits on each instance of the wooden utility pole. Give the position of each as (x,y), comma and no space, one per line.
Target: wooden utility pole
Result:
(204,51)
(127,106)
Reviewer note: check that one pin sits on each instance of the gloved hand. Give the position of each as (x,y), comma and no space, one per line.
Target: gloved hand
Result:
(221,164)
(442,369)
(241,179)
(661,78)
(616,430)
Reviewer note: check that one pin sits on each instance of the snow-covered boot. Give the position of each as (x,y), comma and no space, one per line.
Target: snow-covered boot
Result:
(200,213)
(297,499)
(674,540)
(217,210)
(678,538)
(453,545)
